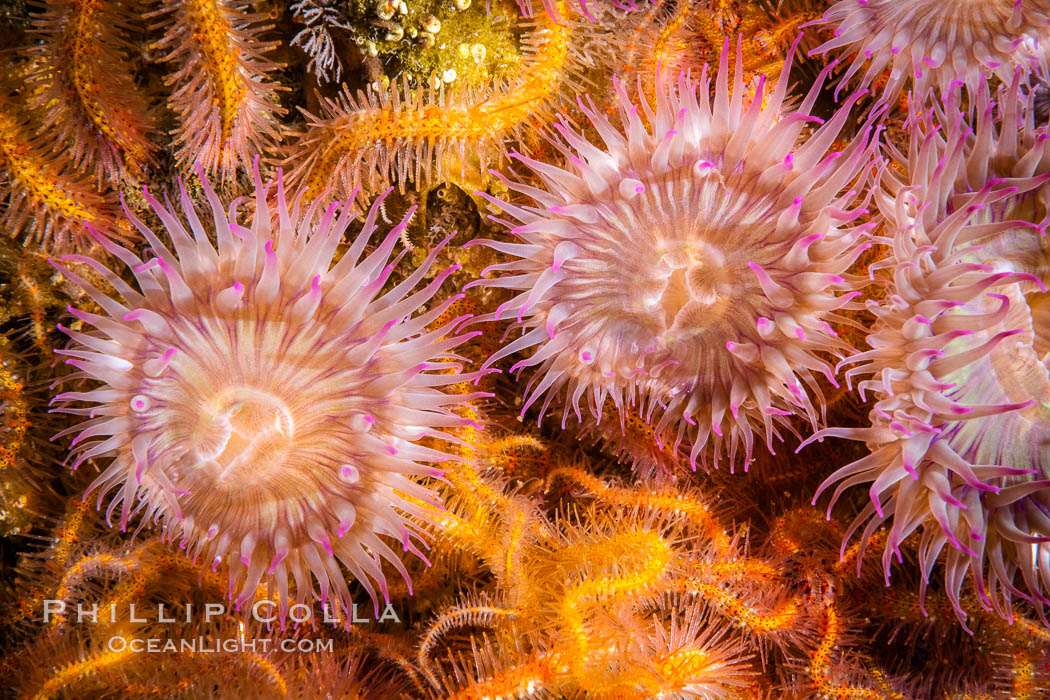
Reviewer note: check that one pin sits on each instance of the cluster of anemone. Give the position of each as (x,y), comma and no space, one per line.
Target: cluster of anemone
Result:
(263,405)
(680,267)
(686,269)
(685,272)
(959,437)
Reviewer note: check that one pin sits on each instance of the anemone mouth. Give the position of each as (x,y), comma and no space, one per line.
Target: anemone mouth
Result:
(241,431)
(247,420)
(251,433)
(693,283)
(698,288)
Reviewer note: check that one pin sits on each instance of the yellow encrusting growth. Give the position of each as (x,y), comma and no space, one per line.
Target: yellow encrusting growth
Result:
(425,135)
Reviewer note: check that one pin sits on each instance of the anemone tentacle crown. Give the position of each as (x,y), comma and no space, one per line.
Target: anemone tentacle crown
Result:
(931,43)
(262,404)
(692,265)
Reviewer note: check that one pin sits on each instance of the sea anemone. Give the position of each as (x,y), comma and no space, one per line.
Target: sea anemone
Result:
(265,406)
(959,437)
(935,43)
(690,268)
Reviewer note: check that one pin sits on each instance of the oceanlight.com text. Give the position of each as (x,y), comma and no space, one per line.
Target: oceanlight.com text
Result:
(210,645)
